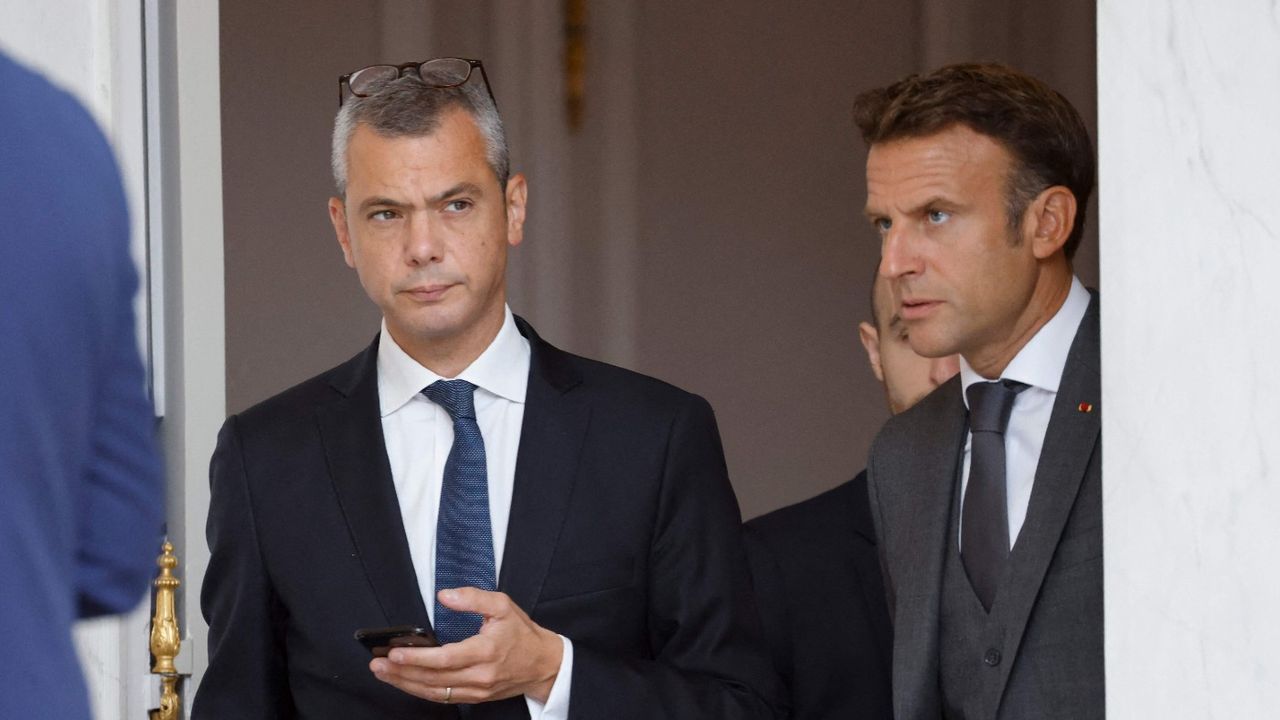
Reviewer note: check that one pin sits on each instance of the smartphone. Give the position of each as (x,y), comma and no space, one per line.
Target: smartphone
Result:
(379,641)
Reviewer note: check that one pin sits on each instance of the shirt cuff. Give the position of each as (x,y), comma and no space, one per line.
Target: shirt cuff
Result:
(557,706)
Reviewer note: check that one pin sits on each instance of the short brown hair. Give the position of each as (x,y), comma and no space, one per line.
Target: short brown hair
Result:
(1035,123)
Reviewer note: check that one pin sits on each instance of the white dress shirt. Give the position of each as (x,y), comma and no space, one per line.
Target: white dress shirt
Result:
(419,435)
(1039,364)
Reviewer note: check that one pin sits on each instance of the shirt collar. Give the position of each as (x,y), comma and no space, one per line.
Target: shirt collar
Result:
(502,369)
(1041,361)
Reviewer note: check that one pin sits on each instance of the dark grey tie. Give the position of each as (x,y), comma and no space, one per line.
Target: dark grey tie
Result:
(985,521)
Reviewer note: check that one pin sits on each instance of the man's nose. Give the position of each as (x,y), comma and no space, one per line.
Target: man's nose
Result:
(424,243)
(898,256)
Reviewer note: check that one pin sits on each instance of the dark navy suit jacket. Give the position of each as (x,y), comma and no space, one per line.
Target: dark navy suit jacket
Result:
(624,537)
(81,502)
(817,581)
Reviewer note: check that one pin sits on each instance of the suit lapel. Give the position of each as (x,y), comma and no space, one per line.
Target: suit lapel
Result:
(928,476)
(1069,444)
(551,437)
(351,433)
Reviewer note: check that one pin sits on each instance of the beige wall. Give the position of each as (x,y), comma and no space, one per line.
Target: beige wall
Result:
(756,257)
(704,226)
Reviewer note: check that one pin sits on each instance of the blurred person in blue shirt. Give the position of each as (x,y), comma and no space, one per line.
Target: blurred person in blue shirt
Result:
(81,503)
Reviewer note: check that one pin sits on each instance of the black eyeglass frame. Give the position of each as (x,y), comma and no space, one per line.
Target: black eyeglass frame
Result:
(344,81)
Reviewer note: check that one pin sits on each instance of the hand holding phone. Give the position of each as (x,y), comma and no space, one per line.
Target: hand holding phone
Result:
(379,641)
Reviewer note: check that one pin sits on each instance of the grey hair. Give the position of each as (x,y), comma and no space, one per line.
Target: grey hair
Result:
(407,107)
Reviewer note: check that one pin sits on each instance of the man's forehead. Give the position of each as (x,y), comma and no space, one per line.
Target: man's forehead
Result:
(939,161)
(921,158)
(432,162)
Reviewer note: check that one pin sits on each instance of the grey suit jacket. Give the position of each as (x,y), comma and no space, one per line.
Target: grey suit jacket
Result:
(1052,656)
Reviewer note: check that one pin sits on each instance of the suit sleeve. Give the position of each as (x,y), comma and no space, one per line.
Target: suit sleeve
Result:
(770,587)
(708,658)
(877,519)
(246,678)
(121,512)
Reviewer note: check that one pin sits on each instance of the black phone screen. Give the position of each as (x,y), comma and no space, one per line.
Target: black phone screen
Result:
(379,641)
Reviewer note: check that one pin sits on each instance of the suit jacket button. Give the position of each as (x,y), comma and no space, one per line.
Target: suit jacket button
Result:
(992,657)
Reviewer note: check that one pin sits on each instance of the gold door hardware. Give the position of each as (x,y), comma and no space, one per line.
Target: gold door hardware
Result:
(166,637)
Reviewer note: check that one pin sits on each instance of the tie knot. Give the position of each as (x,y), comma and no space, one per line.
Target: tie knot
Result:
(990,404)
(457,397)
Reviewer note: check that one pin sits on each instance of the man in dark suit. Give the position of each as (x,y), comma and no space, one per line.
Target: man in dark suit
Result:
(831,649)
(81,494)
(566,527)
(987,494)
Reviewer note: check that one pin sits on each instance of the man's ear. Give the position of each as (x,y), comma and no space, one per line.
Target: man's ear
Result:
(1050,219)
(871,343)
(338,216)
(517,199)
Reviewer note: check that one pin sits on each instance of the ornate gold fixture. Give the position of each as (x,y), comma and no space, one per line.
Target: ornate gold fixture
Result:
(166,637)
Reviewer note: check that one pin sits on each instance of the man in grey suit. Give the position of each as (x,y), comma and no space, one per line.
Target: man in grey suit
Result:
(987,494)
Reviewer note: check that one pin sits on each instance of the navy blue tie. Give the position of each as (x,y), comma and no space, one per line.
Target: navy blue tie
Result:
(464,536)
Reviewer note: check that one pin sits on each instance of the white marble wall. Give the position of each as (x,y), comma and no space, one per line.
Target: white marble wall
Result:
(1189,132)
